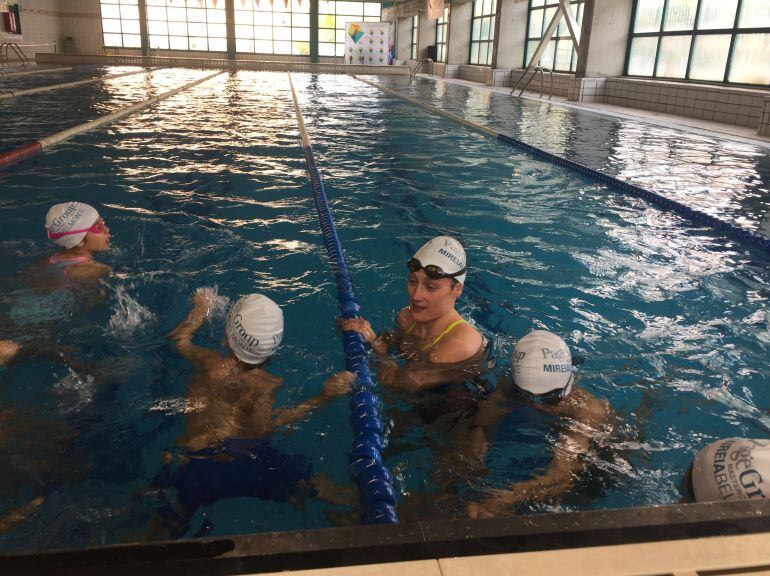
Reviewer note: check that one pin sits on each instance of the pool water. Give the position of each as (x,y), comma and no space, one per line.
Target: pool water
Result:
(210,188)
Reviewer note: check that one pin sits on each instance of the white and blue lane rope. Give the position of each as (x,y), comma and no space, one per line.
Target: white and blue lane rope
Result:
(735,232)
(374,481)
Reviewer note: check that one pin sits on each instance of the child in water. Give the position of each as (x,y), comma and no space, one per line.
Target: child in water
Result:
(80,232)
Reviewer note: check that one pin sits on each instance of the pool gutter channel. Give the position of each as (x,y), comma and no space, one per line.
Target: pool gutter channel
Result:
(435,539)
(374,481)
(742,235)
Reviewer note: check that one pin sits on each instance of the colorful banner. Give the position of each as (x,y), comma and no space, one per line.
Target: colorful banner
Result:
(367,43)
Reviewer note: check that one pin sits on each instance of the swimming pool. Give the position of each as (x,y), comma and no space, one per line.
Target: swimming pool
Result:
(210,187)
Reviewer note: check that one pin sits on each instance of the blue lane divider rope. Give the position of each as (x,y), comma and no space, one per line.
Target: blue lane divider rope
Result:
(375,483)
(735,232)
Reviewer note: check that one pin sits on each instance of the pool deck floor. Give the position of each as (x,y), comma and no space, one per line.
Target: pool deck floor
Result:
(717,556)
(744,134)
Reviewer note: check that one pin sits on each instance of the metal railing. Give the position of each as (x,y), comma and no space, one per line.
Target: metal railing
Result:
(419,64)
(542,70)
(5,47)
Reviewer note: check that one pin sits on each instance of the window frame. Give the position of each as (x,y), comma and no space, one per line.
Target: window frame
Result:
(187,22)
(339,47)
(490,40)
(578,7)
(294,42)
(414,43)
(138,20)
(692,33)
(443,24)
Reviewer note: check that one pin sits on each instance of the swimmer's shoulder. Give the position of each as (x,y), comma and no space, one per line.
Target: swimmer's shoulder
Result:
(462,343)
(91,270)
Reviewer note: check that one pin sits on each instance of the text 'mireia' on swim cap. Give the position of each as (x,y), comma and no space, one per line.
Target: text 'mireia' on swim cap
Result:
(444,252)
(732,469)
(63,218)
(254,328)
(542,363)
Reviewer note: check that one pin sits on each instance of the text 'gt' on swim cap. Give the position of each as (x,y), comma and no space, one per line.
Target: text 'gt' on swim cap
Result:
(254,328)
(66,217)
(444,252)
(732,469)
(542,363)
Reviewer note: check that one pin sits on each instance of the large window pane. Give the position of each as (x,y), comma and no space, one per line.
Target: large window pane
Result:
(535,24)
(755,14)
(641,61)
(709,57)
(649,14)
(715,14)
(672,60)
(680,15)
(751,59)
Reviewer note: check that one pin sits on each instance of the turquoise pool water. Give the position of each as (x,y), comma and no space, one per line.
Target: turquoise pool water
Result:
(209,188)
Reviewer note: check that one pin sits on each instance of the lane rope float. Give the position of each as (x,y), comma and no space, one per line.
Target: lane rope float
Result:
(375,483)
(15,155)
(15,94)
(735,232)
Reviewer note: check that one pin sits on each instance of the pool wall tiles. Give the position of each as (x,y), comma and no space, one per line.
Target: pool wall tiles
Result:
(731,105)
(764,123)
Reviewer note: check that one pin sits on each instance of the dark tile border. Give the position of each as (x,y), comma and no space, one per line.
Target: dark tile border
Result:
(357,545)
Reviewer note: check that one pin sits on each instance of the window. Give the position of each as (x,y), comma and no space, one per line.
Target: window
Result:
(187,25)
(415,32)
(703,40)
(483,32)
(333,15)
(272,28)
(560,55)
(120,23)
(441,29)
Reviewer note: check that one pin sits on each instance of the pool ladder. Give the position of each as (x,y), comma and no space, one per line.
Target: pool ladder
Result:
(535,69)
(4,53)
(416,68)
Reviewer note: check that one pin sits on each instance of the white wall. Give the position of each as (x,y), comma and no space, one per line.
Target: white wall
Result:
(39,25)
(459,33)
(513,29)
(404,38)
(609,38)
(82,20)
(427,34)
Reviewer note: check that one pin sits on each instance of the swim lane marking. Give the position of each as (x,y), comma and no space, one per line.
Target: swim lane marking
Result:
(12,94)
(15,155)
(657,200)
(374,481)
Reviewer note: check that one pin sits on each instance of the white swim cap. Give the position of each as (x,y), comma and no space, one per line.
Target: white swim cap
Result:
(254,328)
(732,469)
(67,224)
(542,363)
(445,253)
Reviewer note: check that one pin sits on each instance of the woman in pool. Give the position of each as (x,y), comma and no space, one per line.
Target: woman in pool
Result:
(439,346)
(80,232)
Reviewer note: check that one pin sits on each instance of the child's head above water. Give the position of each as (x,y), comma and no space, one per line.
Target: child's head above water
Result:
(541,364)
(69,224)
(254,328)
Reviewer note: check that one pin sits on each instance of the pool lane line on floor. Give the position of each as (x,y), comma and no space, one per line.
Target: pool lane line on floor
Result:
(31,72)
(15,155)
(15,94)
(374,481)
(736,232)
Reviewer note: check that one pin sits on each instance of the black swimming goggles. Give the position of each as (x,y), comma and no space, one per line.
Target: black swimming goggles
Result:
(431,270)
